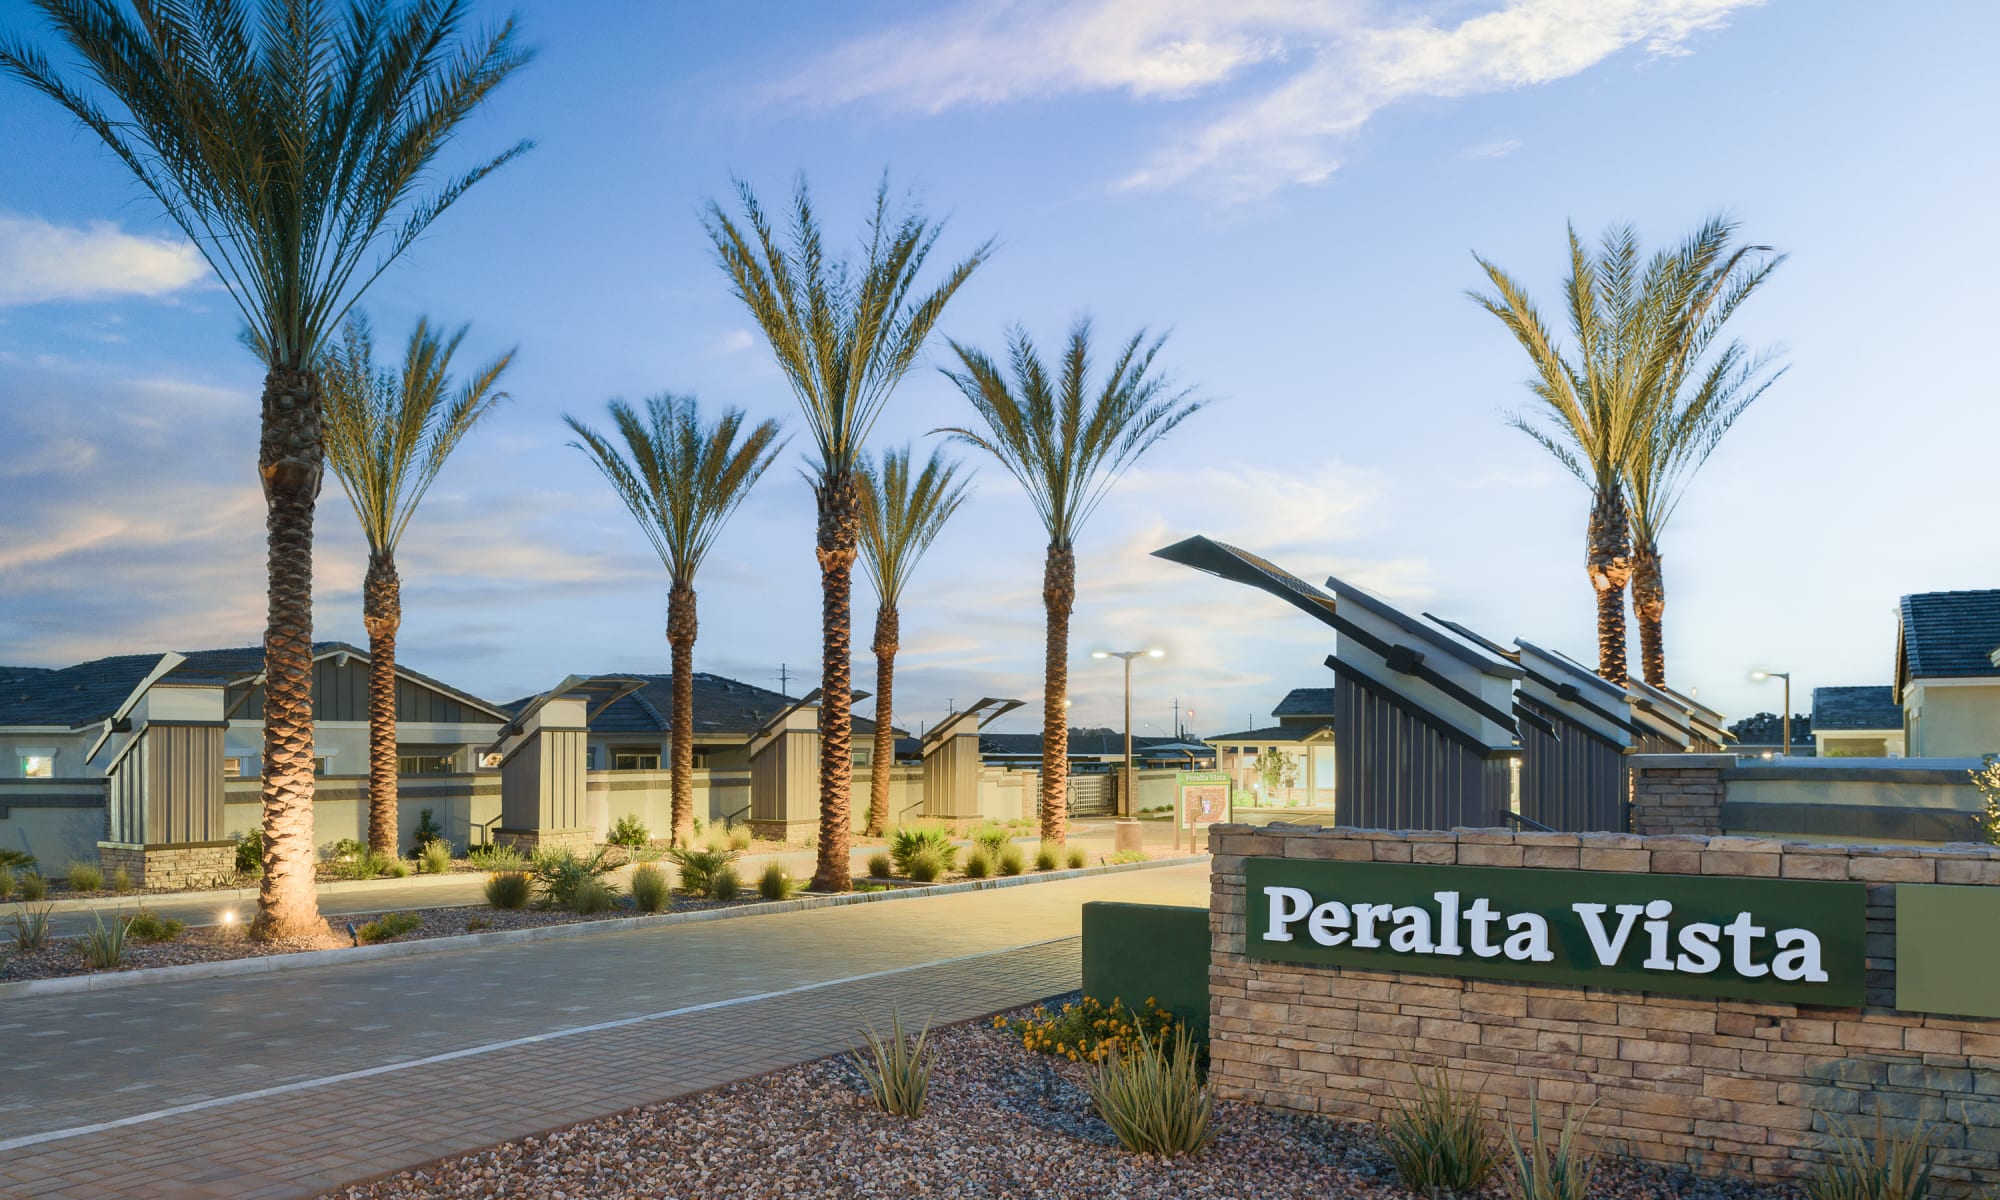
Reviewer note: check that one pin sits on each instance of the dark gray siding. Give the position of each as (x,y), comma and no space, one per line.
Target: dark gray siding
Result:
(340,693)
(1396,770)
(1572,780)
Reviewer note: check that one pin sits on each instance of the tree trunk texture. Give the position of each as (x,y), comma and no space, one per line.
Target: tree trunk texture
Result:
(887,629)
(382,615)
(839,528)
(681,629)
(1059,596)
(1608,560)
(1649,604)
(290,459)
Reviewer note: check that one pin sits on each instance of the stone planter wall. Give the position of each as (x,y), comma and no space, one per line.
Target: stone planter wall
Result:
(195,865)
(1710,1085)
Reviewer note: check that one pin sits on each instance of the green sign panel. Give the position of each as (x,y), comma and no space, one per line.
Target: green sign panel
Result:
(1785,940)
(1948,949)
(1204,797)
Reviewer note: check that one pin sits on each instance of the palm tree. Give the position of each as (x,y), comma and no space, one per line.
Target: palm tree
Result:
(387,437)
(1595,405)
(900,518)
(1699,397)
(682,480)
(844,334)
(289,144)
(1067,443)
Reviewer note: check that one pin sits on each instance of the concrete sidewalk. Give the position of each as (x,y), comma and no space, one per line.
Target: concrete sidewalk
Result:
(286,1085)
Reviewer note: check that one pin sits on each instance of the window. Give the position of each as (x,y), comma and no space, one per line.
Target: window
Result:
(635,760)
(319,765)
(426,764)
(232,767)
(38,764)
(491,761)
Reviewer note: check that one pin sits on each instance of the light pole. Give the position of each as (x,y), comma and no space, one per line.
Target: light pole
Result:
(1126,795)
(1761,676)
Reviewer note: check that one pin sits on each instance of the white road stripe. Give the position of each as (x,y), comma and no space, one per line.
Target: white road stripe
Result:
(301,1085)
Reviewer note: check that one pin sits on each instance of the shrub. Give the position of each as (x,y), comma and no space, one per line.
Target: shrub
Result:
(925,865)
(343,850)
(31,928)
(1153,1097)
(6,883)
(978,864)
(509,889)
(897,1068)
(1438,1140)
(1087,1030)
(32,887)
(739,840)
(776,883)
(880,866)
(152,927)
(991,838)
(591,897)
(84,877)
(104,945)
(366,864)
(726,884)
(1012,861)
(478,924)
(387,927)
(15,860)
(1076,858)
(1127,856)
(560,872)
(434,858)
(497,858)
(394,868)
(250,852)
(1045,857)
(428,831)
(121,881)
(1887,1167)
(699,868)
(1538,1171)
(650,891)
(906,842)
(630,832)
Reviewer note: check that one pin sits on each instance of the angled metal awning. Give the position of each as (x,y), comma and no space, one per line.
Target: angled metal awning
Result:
(988,710)
(1241,566)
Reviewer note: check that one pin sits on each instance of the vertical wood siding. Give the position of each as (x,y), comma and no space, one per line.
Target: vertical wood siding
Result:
(340,693)
(1572,781)
(1394,771)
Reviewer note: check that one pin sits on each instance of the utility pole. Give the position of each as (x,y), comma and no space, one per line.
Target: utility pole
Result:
(784,679)
(1177,718)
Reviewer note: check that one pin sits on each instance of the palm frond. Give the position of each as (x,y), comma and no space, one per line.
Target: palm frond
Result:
(901,515)
(680,477)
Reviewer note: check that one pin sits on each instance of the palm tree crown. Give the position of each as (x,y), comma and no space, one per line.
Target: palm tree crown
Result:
(387,433)
(901,515)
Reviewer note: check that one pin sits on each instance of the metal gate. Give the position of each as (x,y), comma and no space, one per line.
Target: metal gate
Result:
(1092,796)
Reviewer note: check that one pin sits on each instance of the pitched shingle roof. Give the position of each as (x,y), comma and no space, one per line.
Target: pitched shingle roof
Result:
(1305,702)
(1082,744)
(1949,634)
(1273,733)
(1855,708)
(721,706)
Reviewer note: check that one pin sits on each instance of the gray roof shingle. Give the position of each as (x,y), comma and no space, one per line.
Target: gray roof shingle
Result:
(1305,702)
(1869,707)
(1950,634)
(721,706)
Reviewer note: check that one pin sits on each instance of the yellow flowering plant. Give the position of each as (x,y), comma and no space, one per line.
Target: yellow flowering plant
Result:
(1089,1030)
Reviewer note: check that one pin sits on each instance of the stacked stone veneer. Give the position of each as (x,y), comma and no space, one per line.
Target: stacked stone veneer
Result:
(195,865)
(1711,1085)
(1685,798)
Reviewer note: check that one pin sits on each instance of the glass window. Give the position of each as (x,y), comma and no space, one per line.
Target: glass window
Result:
(232,767)
(425,764)
(38,766)
(636,760)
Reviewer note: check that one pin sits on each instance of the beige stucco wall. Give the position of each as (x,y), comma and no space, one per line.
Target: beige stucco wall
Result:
(1948,720)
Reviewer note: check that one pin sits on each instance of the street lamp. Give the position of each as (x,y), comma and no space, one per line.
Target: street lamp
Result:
(1127,796)
(1761,676)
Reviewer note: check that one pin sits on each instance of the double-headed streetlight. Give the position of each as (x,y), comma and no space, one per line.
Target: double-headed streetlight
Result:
(1126,796)
(1761,676)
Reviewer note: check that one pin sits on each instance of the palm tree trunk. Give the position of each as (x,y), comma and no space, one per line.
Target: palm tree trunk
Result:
(1649,604)
(382,615)
(839,530)
(887,628)
(1059,596)
(289,462)
(681,628)
(1609,564)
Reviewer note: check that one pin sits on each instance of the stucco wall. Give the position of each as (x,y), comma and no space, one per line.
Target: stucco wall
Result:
(1885,800)
(59,821)
(1709,1084)
(1951,721)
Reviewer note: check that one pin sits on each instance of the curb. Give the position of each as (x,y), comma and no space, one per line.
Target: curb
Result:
(308,959)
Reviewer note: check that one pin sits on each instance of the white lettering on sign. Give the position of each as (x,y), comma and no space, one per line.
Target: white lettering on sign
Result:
(1455,925)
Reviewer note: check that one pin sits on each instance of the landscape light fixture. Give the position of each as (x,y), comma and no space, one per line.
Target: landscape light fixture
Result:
(1760,677)
(1127,800)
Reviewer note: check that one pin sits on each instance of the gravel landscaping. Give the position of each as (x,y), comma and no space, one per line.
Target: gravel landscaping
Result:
(1001,1122)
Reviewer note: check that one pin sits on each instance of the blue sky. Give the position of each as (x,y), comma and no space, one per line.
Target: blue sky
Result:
(1294,189)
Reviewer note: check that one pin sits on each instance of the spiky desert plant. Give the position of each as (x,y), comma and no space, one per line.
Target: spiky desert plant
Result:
(682,479)
(1066,441)
(388,433)
(897,1067)
(844,334)
(901,515)
(292,142)
(1152,1095)
(1889,1166)
(1542,1170)
(1439,1139)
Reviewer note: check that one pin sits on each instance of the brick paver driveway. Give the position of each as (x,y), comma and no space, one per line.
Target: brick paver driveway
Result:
(289,1084)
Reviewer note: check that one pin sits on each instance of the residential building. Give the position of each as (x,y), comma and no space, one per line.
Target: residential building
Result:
(1857,722)
(1948,673)
(1301,743)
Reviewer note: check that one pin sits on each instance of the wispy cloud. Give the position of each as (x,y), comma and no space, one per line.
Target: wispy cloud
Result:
(42,261)
(1315,72)
(1497,148)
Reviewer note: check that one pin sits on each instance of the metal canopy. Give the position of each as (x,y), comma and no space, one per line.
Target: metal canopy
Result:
(985,712)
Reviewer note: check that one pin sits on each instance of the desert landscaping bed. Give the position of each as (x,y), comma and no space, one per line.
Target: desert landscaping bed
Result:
(1001,1122)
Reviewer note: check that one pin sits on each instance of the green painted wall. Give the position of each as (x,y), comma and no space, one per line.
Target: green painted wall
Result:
(1948,949)
(1135,951)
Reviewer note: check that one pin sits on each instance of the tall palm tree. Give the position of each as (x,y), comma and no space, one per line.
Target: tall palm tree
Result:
(1699,396)
(682,479)
(387,436)
(900,517)
(1593,406)
(844,334)
(291,144)
(1067,443)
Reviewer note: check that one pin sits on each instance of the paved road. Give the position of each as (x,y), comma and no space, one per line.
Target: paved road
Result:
(286,1085)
